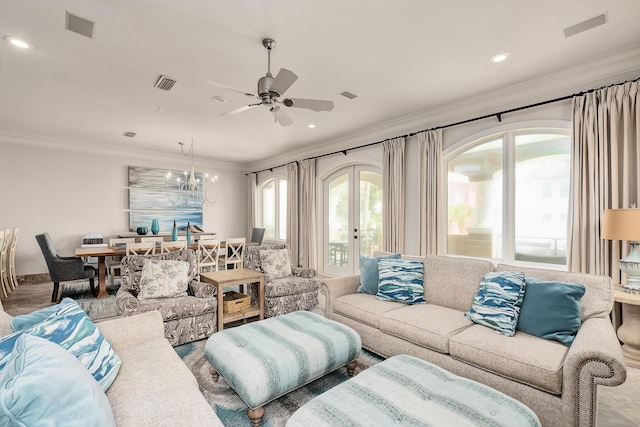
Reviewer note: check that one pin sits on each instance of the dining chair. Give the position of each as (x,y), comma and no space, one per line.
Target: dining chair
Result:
(113,262)
(173,246)
(154,239)
(235,248)
(257,234)
(142,248)
(63,269)
(208,254)
(3,290)
(13,279)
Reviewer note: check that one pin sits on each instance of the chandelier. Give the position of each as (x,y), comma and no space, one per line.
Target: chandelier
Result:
(191,190)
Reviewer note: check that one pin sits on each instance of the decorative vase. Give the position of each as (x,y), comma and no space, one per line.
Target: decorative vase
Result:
(174,233)
(155,227)
(188,233)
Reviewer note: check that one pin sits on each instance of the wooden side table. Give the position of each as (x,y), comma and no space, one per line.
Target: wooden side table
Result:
(235,277)
(629,331)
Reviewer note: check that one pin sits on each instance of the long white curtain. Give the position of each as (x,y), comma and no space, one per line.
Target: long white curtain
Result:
(431,193)
(292,212)
(605,175)
(252,189)
(393,188)
(308,229)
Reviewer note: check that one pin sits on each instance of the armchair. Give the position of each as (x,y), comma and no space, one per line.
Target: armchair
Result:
(282,295)
(186,318)
(64,269)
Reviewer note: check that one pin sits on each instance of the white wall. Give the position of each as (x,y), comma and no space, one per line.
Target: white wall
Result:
(68,192)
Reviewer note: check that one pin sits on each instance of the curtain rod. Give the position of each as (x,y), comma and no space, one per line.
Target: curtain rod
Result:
(462,122)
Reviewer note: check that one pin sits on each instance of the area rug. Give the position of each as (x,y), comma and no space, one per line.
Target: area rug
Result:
(231,409)
(96,308)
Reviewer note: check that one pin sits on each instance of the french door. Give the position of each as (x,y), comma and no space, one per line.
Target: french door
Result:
(352,218)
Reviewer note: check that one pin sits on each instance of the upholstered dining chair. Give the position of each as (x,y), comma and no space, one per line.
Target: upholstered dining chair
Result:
(64,269)
(142,248)
(257,235)
(189,316)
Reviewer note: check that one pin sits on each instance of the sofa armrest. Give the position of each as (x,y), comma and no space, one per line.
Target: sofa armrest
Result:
(595,358)
(202,289)
(127,331)
(337,287)
(303,272)
(125,300)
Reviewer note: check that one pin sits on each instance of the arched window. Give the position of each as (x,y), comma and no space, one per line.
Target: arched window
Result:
(272,208)
(508,196)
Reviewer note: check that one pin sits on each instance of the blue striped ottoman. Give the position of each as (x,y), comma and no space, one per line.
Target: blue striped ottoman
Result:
(407,391)
(264,360)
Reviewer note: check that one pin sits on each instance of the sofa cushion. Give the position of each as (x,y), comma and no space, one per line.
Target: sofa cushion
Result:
(364,308)
(400,280)
(427,325)
(71,328)
(177,308)
(275,262)
(42,384)
(498,301)
(164,278)
(369,276)
(522,357)
(444,273)
(291,285)
(551,310)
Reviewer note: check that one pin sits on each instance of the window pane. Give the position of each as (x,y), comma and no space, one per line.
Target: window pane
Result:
(370,213)
(338,220)
(475,201)
(542,197)
(282,211)
(269,209)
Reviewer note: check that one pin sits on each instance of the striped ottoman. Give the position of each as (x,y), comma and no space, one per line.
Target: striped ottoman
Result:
(406,391)
(264,360)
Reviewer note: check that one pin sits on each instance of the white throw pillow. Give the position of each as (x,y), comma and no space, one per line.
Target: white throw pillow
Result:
(275,262)
(161,278)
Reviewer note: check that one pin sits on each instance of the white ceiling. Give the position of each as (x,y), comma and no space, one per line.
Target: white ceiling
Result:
(401,57)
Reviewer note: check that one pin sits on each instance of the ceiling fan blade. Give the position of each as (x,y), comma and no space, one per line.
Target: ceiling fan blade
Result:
(281,116)
(283,81)
(240,109)
(311,104)
(233,89)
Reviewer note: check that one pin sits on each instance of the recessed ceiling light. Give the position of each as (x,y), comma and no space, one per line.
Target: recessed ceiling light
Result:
(499,57)
(17,42)
(311,126)
(218,99)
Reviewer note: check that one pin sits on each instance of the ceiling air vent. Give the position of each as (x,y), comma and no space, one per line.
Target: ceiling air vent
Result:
(129,134)
(165,83)
(79,25)
(585,25)
(348,94)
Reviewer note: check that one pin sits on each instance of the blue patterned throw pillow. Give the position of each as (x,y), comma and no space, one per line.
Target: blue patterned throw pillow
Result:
(71,328)
(401,281)
(23,321)
(498,300)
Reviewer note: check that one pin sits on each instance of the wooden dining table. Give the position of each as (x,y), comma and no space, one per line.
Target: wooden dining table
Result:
(102,252)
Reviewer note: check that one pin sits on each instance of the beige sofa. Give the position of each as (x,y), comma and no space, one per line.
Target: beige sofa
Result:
(153,387)
(559,383)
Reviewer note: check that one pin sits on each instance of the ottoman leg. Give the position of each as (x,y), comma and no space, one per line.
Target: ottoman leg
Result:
(214,374)
(255,415)
(351,367)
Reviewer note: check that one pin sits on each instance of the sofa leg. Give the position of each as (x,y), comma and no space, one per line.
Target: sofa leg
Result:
(351,367)
(214,374)
(255,415)
(54,295)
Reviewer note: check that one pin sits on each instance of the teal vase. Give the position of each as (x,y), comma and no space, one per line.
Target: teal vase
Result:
(188,233)
(155,227)
(174,233)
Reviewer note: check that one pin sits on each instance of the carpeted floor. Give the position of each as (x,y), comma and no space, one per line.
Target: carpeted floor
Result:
(96,308)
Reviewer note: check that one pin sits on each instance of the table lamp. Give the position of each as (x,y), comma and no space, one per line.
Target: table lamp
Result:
(624,224)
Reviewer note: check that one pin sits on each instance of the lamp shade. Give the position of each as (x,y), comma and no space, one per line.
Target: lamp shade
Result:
(621,224)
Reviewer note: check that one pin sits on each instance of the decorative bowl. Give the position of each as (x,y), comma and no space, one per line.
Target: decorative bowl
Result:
(142,230)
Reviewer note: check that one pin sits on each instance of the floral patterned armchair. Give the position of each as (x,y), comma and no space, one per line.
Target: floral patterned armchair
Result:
(186,318)
(286,288)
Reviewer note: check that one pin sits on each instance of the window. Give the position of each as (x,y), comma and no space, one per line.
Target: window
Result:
(272,208)
(508,197)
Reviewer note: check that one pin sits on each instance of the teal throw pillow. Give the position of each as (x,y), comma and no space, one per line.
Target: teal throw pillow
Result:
(23,321)
(71,328)
(551,310)
(44,385)
(401,281)
(498,300)
(369,273)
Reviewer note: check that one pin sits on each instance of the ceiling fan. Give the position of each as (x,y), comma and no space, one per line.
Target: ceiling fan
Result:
(270,90)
